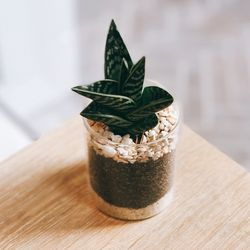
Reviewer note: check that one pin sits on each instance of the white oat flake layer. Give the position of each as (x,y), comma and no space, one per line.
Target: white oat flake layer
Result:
(154,143)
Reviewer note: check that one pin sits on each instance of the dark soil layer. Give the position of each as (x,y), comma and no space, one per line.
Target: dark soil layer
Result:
(130,185)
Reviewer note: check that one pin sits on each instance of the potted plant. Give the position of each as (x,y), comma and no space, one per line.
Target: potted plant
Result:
(132,137)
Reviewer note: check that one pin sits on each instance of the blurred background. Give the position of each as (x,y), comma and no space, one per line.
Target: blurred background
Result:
(198,49)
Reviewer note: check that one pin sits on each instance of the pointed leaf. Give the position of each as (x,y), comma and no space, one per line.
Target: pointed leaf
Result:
(115,51)
(123,49)
(143,125)
(96,112)
(153,99)
(95,92)
(132,87)
(124,72)
(104,86)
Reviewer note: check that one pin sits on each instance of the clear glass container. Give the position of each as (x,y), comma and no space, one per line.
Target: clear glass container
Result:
(132,181)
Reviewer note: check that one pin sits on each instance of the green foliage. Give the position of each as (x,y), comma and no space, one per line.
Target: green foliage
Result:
(115,52)
(120,101)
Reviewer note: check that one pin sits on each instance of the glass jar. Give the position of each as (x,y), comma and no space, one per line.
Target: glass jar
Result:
(132,181)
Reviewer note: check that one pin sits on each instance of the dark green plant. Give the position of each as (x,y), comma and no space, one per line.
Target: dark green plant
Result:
(120,101)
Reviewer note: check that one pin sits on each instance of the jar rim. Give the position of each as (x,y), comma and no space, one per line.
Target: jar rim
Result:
(169,134)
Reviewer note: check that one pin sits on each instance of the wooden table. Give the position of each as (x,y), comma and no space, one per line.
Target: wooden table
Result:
(45,201)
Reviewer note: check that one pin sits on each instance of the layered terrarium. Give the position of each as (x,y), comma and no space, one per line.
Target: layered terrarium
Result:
(132,135)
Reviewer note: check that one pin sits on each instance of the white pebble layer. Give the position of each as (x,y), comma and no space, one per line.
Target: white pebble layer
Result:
(154,143)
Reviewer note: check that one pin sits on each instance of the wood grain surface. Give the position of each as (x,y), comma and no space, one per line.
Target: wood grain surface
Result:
(45,201)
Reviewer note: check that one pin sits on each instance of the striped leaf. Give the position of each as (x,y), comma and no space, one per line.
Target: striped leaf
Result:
(95,92)
(153,99)
(143,125)
(124,72)
(104,86)
(132,87)
(97,112)
(138,127)
(115,52)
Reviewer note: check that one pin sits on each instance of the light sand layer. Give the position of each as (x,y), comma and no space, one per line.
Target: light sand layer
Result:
(134,214)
